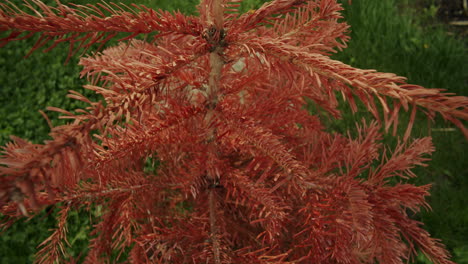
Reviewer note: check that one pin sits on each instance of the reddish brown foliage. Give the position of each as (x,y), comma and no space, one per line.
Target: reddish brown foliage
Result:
(245,174)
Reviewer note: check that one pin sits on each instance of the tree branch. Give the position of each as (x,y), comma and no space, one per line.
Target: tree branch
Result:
(214,227)
(216,63)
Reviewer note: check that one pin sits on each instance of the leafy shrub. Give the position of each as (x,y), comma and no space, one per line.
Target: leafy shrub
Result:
(202,150)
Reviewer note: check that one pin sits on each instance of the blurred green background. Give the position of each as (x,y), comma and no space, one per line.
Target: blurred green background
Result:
(399,36)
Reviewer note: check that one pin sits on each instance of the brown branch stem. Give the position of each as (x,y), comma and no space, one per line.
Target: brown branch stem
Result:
(214,227)
(216,65)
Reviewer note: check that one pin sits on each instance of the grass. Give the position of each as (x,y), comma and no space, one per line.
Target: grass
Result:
(389,36)
(386,35)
